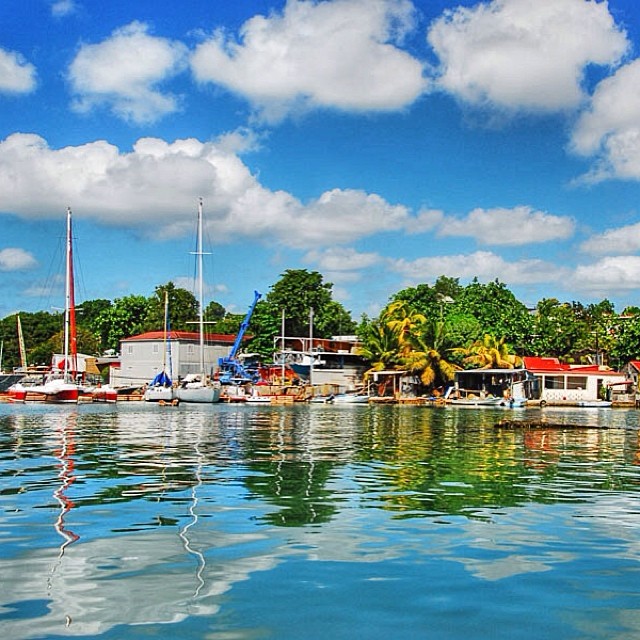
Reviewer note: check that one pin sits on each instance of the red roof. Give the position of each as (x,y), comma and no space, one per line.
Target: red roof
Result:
(635,364)
(537,364)
(184,336)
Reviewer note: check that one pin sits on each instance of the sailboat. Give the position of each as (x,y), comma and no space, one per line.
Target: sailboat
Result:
(60,386)
(199,387)
(161,387)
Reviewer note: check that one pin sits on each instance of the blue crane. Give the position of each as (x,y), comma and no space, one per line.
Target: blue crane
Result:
(231,369)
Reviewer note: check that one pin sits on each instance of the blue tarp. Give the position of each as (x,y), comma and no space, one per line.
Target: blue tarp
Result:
(161,380)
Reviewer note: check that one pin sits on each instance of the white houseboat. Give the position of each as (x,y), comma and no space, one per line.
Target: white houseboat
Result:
(568,384)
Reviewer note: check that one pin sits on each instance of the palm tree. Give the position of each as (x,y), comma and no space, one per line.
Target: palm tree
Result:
(427,363)
(489,353)
(380,346)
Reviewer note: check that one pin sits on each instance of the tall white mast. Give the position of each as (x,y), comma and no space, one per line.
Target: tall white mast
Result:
(200,288)
(67,296)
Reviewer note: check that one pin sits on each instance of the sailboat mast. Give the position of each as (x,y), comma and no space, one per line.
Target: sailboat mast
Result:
(23,350)
(164,332)
(200,288)
(70,345)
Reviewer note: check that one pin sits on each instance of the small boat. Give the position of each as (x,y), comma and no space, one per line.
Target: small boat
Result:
(103,393)
(199,387)
(471,398)
(595,404)
(351,398)
(322,399)
(475,402)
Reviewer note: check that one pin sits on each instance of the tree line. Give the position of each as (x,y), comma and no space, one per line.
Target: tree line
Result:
(428,329)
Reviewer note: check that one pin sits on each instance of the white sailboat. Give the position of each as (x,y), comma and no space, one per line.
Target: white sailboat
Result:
(199,387)
(161,387)
(60,386)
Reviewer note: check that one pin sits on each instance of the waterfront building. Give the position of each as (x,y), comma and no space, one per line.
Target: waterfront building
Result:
(141,356)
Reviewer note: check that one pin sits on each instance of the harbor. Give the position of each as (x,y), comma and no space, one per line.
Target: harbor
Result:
(239,521)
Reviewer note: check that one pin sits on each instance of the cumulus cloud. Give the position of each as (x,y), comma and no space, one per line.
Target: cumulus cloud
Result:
(608,276)
(624,240)
(609,129)
(342,54)
(154,188)
(514,227)
(16,74)
(124,74)
(484,265)
(519,54)
(342,264)
(16,259)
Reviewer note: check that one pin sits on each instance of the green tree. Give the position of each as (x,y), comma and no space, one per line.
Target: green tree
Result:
(490,353)
(398,340)
(296,293)
(183,309)
(497,311)
(380,345)
(627,333)
(556,329)
(125,317)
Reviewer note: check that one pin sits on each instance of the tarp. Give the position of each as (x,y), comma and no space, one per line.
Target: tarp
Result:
(161,380)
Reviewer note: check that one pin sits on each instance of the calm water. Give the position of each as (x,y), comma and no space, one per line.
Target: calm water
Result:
(309,522)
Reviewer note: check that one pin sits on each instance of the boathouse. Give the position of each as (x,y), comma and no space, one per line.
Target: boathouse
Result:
(562,383)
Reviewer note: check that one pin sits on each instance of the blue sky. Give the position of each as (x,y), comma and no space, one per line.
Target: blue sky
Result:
(382,143)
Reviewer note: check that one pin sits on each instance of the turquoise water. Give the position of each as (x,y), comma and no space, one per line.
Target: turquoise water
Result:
(251,522)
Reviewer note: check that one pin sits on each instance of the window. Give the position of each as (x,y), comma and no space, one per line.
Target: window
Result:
(156,349)
(130,349)
(554,382)
(576,382)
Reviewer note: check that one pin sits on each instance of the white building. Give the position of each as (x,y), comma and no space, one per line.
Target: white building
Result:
(561,383)
(143,356)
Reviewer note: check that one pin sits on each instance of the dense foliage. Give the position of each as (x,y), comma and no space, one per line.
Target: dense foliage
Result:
(429,330)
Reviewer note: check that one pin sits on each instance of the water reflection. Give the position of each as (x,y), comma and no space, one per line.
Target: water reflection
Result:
(181,514)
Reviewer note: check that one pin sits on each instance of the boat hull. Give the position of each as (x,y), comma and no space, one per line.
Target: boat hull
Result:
(202,394)
(346,398)
(475,402)
(156,394)
(62,394)
(104,394)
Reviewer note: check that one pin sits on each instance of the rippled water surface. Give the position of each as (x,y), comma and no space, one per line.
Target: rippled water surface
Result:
(304,522)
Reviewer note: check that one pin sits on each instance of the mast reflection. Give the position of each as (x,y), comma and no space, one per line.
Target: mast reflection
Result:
(66,476)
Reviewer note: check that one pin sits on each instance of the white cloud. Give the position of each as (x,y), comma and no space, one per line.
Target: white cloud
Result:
(341,54)
(154,188)
(337,259)
(624,240)
(608,276)
(16,259)
(62,8)
(610,128)
(16,74)
(514,227)
(519,54)
(425,220)
(482,264)
(124,73)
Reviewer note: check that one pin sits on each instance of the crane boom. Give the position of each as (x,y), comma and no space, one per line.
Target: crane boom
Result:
(229,366)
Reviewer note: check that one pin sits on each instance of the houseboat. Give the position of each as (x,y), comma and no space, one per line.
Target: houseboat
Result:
(568,384)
